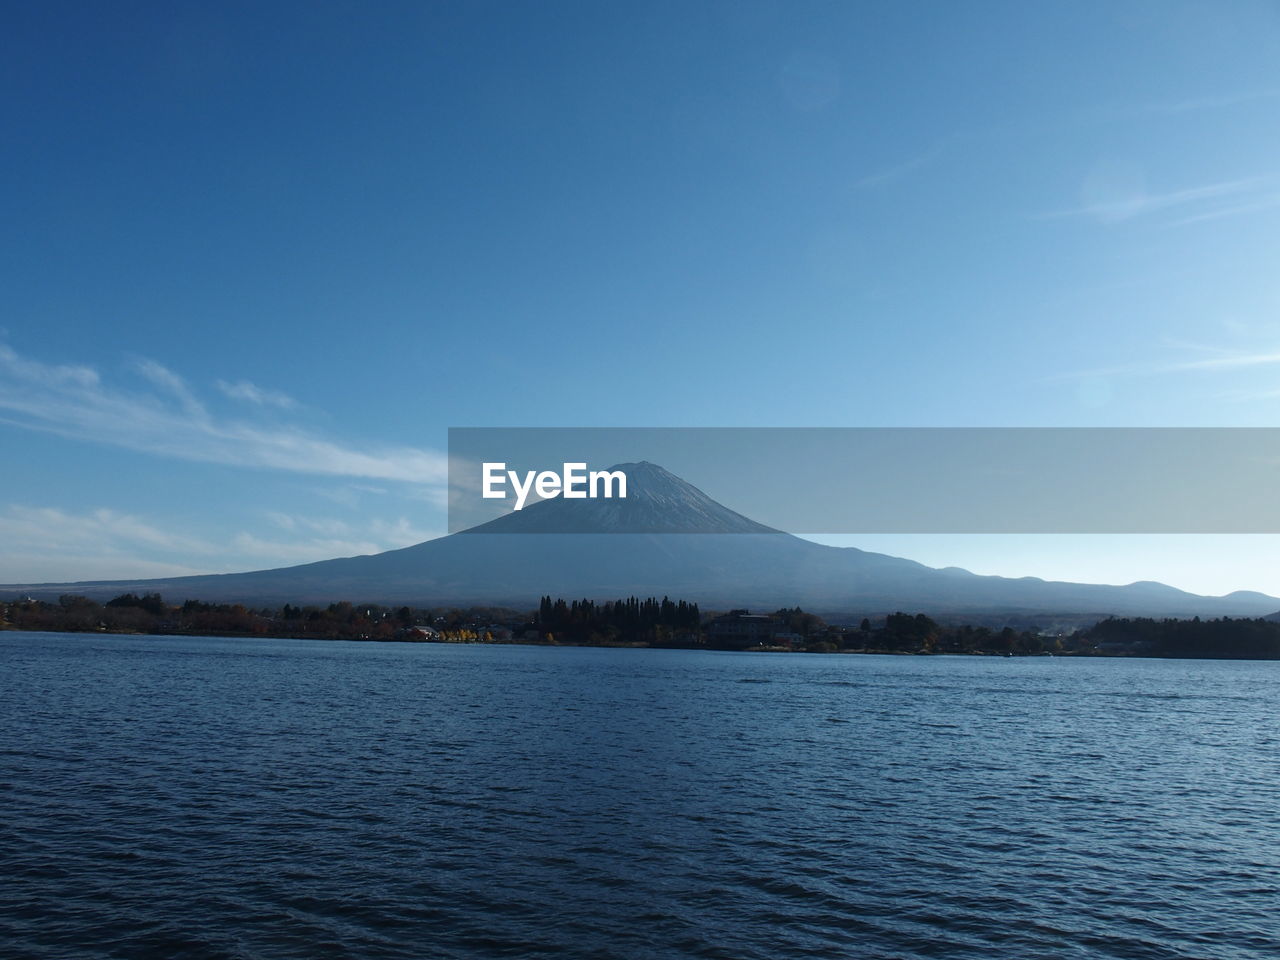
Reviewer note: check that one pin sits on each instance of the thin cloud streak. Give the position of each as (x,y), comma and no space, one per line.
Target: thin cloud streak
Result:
(1228,362)
(1145,204)
(1194,104)
(1128,112)
(1249,396)
(897,172)
(908,166)
(259,396)
(1224,361)
(72,401)
(108,544)
(99,528)
(1257,205)
(388,533)
(171,383)
(105,544)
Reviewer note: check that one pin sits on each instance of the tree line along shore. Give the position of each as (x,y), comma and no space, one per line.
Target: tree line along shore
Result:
(649,622)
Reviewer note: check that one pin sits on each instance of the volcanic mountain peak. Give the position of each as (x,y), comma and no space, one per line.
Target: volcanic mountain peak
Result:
(657,501)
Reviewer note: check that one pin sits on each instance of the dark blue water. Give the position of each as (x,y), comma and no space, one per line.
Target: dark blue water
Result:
(170,798)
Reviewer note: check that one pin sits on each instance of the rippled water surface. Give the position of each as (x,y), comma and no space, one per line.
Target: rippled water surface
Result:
(170,798)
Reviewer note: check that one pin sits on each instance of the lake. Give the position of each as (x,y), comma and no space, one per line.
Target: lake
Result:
(171,798)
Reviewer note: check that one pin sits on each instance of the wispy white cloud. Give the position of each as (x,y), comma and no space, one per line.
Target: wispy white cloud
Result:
(1134,203)
(51,544)
(322,538)
(252,393)
(172,384)
(908,165)
(1130,111)
(272,553)
(1226,362)
(73,401)
(353,495)
(1257,204)
(1194,104)
(62,374)
(388,534)
(36,566)
(1249,396)
(65,530)
(1218,360)
(898,171)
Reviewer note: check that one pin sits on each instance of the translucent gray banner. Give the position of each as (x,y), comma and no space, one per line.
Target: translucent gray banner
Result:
(864,480)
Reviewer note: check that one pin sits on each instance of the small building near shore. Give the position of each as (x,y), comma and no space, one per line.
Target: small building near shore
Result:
(738,628)
(422,633)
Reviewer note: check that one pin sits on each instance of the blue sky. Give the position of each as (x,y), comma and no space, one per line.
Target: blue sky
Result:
(258,257)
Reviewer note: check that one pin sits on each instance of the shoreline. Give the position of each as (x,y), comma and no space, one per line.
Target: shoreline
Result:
(1075,654)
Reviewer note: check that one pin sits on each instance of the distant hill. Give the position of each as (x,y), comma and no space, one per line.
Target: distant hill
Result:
(732,562)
